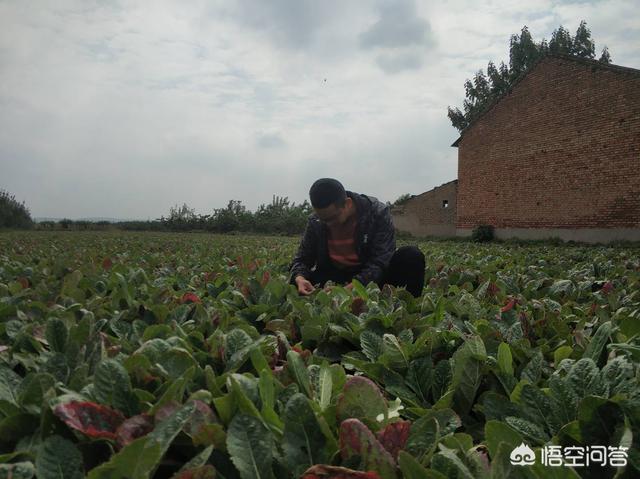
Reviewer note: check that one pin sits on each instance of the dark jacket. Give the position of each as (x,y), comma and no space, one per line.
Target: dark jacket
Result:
(375,242)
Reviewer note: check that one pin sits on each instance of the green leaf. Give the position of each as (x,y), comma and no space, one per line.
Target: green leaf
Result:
(296,366)
(175,391)
(250,445)
(599,418)
(112,386)
(442,376)
(452,458)
(564,401)
(371,345)
(617,376)
(138,459)
(361,399)
(14,427)
(501,466)
(303,442)
(537,408)
(17,470)
(423,437)
(57,334)
(505,361)
(412,469)
(59,458)
(528,429)
(598,342)
(32,390)
(496,432)
(197,461)
(9,382)
(394,355)
(563,352)
(359,289)
(420,378)
(325,386)
(583,377)
(467,375)
(236,340)
(533,370)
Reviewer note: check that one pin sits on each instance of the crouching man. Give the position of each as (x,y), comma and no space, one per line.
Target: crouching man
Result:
(351,236)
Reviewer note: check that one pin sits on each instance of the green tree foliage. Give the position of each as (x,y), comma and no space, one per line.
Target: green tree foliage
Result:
(402,199)
(605,57)
(279,217)
(13,214)
(524,52)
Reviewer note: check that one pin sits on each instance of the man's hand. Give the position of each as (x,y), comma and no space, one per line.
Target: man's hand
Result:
(305,288)
(349,287)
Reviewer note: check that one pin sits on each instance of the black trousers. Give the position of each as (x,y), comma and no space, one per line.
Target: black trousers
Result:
(406,269)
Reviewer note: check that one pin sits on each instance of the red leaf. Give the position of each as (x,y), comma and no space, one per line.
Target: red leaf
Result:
(509,306)
(202,415)
(107,263)
(211,276)
(394,437)
(266,277)
(357,440)
(190,298)
(24,282)
(202,472)
(358,306)
(93,420)
(493,289)
(607,287)
(244,289)
(133,428)
(167,410)
(321,471)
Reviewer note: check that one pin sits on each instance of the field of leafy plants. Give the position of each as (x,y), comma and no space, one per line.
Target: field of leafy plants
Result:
(190,356)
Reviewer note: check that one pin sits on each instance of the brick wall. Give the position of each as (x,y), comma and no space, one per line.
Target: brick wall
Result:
(561,150)
(424,214)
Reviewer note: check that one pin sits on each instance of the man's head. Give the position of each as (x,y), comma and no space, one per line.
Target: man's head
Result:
(330,201)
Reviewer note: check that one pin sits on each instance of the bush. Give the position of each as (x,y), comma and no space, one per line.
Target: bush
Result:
(12,213)
(482,233)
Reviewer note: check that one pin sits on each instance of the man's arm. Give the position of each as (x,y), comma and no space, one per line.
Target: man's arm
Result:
(306,256)
(382,245)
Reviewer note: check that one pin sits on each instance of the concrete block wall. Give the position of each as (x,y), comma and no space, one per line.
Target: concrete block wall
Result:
(426,215)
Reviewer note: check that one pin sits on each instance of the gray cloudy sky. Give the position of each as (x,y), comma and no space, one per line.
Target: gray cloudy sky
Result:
(125,108)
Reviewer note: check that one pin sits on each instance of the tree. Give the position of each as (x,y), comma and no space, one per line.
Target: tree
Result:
(13,214)
(402,199)
(524,52)
(561,41)
(583,46)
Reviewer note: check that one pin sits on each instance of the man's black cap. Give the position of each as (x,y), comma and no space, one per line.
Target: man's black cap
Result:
(326,192)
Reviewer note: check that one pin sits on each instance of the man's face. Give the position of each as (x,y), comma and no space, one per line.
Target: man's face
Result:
(334,215)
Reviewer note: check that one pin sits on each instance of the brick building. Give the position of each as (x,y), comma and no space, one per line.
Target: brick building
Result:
(429,214)
(556,156)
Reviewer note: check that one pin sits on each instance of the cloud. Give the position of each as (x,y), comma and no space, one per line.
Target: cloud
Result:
(121,110)
(400,37)
(292,24)
(271,140)
(398,26)
(392,62)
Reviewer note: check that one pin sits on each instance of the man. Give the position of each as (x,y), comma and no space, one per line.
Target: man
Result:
(351,236)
